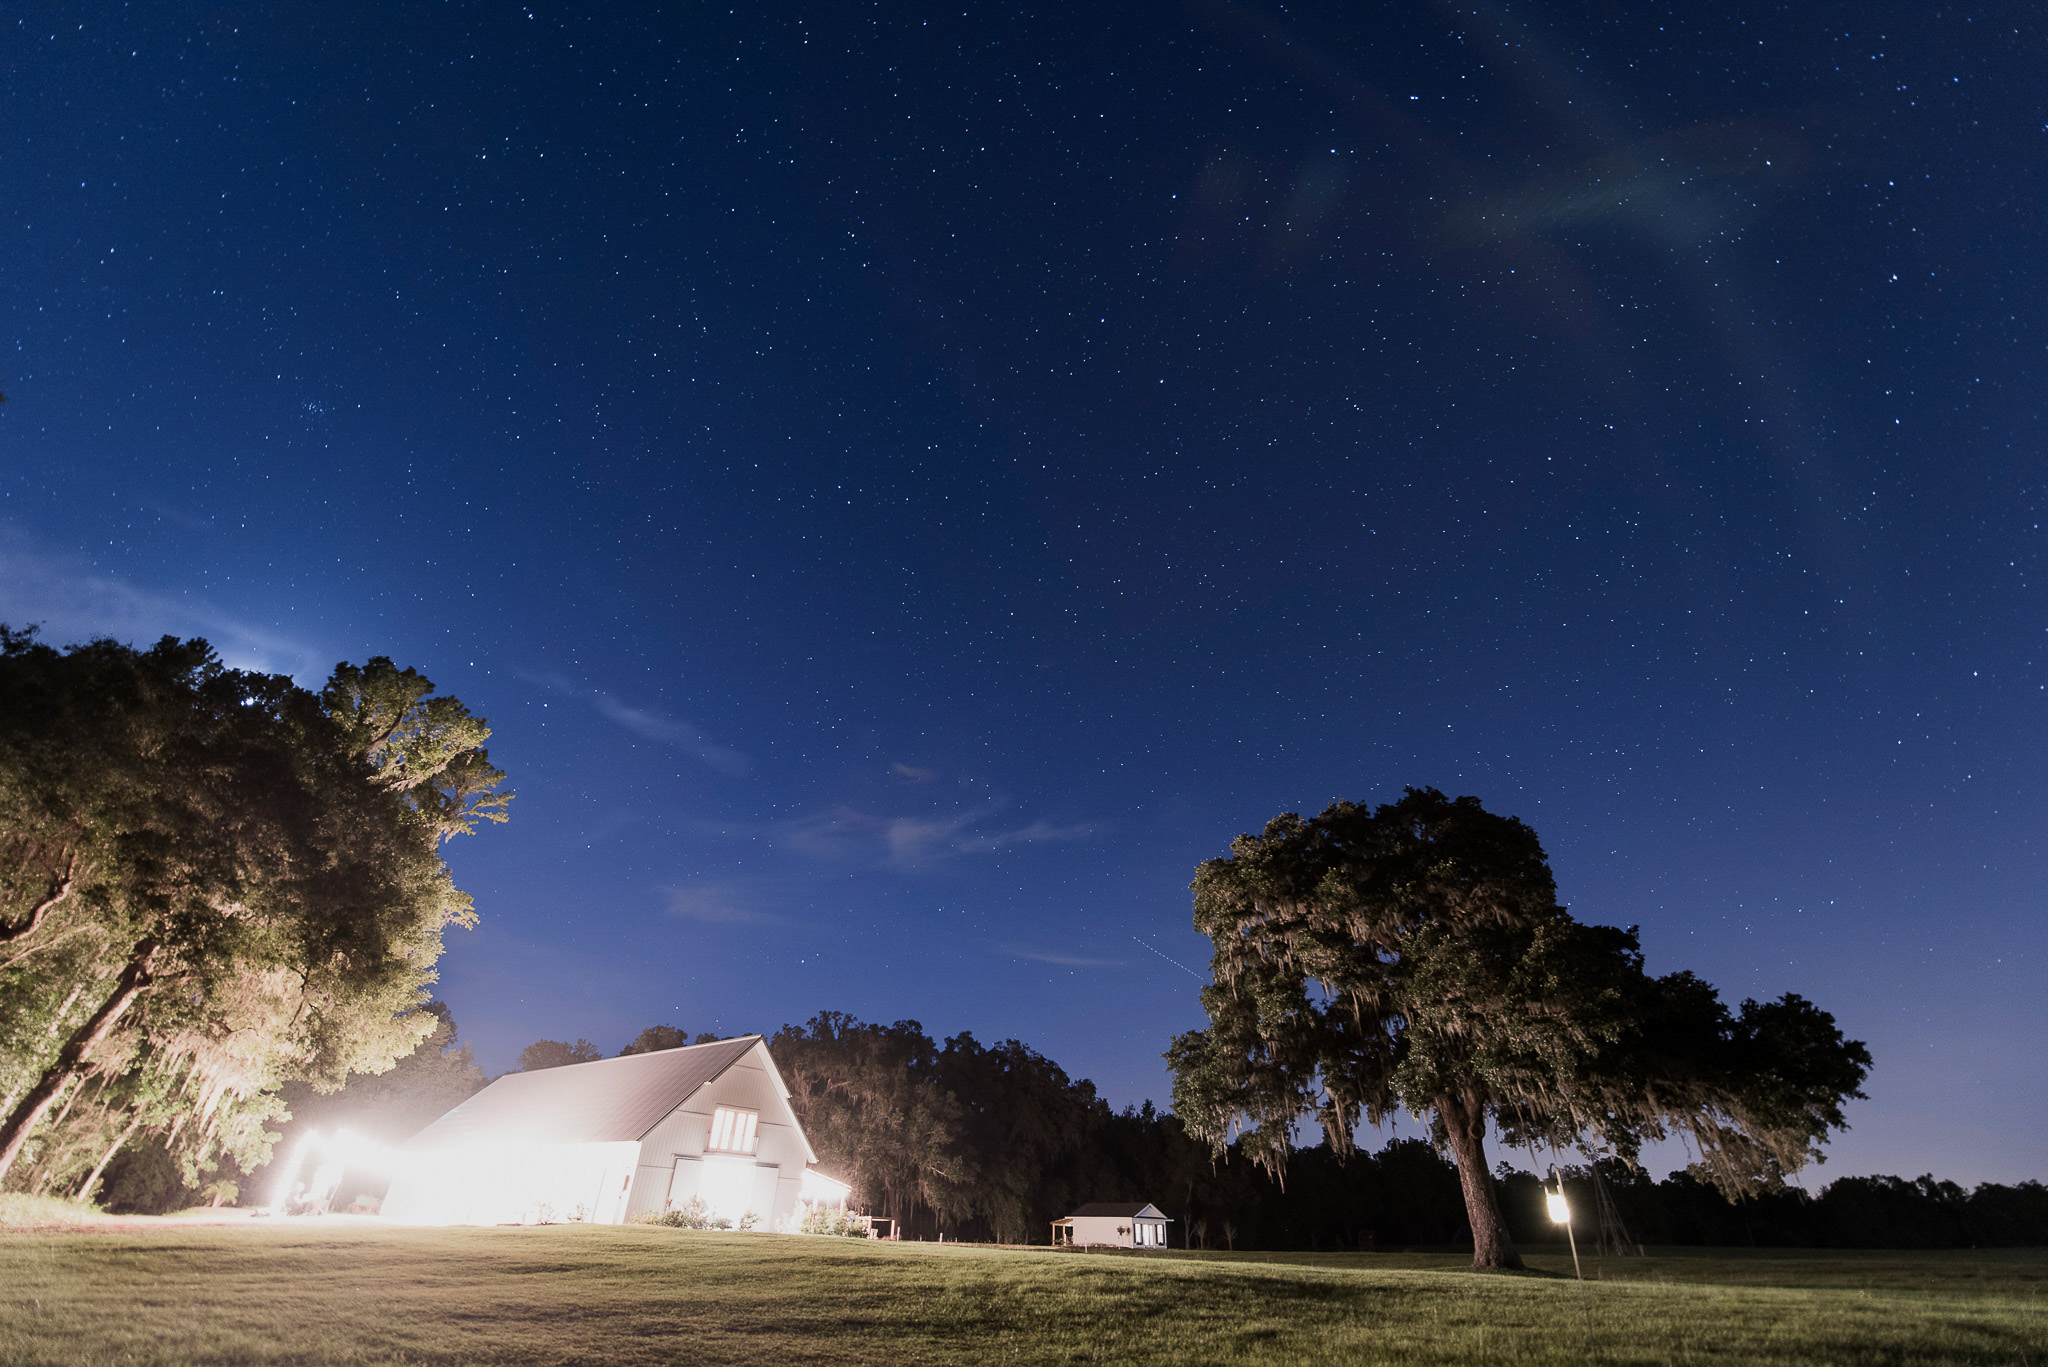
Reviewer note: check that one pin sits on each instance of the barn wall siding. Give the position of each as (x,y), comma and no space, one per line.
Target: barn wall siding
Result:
(747,1084)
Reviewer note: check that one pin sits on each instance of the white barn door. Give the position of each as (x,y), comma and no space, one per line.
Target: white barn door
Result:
(683,1182)
(767,1180)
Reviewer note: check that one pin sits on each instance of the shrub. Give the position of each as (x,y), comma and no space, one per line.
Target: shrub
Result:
(694,1215)
(832,1220)
(21,1212)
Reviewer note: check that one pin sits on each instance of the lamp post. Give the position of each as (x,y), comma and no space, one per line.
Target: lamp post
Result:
(1561,1213)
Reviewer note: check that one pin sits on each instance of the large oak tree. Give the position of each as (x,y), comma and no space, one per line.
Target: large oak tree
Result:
(1414,957)
(213,882)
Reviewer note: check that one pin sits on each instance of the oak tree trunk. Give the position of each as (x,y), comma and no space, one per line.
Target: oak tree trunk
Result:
(92,1178)
(73,1057)
(1466,1125)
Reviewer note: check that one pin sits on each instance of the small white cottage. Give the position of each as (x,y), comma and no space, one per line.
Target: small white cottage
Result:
(606,1140)
(1113,1224)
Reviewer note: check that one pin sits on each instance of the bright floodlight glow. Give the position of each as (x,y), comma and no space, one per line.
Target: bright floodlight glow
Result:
(728,1186)
(820,1190)
(1560,1210)
(327,1177)
(289,1173)
(513,1183)
(337,1153)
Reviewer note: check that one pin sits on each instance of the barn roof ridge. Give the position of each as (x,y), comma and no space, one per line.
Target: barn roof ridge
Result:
(604,1100)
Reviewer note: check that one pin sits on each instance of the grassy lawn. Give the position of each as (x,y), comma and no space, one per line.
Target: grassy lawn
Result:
(335,1292)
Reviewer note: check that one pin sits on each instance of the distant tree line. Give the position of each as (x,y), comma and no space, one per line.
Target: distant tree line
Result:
(992,1142)
(1407,1195)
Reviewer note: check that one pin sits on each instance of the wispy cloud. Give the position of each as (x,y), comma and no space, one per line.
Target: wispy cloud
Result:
(846,833)
(651,725)
(912,839)
(1044,956)
(912,773)
(73,601)
(1032,834)
(677,732)
(722,904)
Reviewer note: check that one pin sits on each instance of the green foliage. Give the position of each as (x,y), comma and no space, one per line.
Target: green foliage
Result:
(1020,1118)
(428,748)
(145,1179)
(1414,957)
(385,1108)
(21,1213)
(833,1220)
(693,1214)
(212,883)
(873,1106)
(439,1074)
(663,1037)
(1000,1132)
(553,1053)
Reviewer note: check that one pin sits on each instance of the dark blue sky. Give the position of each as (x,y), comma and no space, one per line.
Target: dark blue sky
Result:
(906,484)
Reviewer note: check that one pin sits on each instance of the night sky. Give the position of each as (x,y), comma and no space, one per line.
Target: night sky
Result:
(907,484)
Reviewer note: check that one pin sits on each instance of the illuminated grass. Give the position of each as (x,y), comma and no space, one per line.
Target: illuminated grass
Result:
(337,1293)
(19,1213)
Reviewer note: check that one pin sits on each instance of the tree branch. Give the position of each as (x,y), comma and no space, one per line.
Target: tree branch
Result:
(60,890)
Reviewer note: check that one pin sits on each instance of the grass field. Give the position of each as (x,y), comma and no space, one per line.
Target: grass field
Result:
(336,1292)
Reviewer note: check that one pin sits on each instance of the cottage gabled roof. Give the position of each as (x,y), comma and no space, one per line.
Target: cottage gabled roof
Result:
(1123,1210)
(608,1100)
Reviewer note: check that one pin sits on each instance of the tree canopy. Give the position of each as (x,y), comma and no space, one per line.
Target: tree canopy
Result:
(870,1097)
(392,1106)
(554,1053)
(994,1140)
(1414,957)
(663,1037)
(213,882)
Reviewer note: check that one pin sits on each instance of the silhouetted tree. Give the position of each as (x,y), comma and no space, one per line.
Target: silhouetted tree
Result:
(1415,957)
(553,1053)
(871,1101)
(663,1037)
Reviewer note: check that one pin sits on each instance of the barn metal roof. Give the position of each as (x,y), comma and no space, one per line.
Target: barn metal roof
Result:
(604,1101)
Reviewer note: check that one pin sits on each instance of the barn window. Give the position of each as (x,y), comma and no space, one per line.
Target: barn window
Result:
(732,1131)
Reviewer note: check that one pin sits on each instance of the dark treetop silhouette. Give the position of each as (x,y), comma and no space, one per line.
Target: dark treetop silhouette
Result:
(1414,957)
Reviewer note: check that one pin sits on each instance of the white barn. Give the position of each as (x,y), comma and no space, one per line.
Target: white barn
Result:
(1113,1224)
(606,1140)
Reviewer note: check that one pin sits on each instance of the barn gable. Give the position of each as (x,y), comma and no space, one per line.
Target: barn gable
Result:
(599,1141)
(606,1101)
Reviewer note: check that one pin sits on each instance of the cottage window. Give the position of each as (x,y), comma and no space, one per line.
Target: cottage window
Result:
(732,1130)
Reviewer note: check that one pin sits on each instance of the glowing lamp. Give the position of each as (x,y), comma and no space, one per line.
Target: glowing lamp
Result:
(1560,1209)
